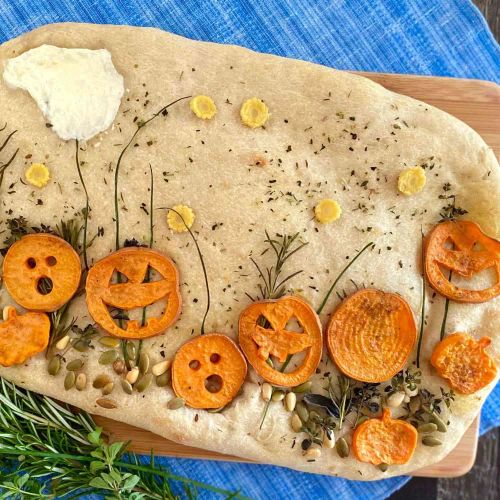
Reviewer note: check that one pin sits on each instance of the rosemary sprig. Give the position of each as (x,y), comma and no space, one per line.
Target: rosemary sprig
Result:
(327,296)
(204,269)
(48,450)
(422,311)
(140,126)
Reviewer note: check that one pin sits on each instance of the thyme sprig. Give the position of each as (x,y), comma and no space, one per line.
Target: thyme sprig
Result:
(48,450)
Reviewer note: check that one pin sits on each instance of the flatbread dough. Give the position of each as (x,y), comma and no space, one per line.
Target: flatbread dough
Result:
(330,135)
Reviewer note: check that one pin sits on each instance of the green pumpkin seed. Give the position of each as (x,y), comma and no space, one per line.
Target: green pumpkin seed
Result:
(383,467)
(131,350)
(144,382)
(430,427)
(109,341)
(143,363)
(362,419)
(81,381)
(296,423)
(311,426)
(342,448)
(302,411)
(54,366)
(431,441)
(75,365)
(107,403)
(127,387)
(108,357)
(269,361)
(278,395)
(305,387)
(330,422)
(175,403)
(441,426)
(69,380)
(163,379)
(315,417)
(81,346)
(108,389)
(100,381)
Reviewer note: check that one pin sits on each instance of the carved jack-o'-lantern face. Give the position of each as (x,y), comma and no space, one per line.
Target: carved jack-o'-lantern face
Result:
(208,371)
(132,265)
(22,336)
(263,333)
(38,257)
(462,259)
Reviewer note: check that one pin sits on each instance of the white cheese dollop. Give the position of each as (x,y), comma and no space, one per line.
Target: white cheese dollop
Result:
(78,90)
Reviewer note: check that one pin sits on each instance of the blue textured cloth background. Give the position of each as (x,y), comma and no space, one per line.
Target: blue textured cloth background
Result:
(431,37)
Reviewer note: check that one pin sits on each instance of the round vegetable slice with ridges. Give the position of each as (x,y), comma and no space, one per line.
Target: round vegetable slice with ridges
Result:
(462,361)
(384,440)
(371,335)
(208,371)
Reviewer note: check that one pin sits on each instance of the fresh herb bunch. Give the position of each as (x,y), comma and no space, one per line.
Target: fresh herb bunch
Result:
(405,380)
(48,451)
(4,166)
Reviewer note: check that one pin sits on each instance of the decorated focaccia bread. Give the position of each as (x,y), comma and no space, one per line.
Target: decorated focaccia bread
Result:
(239,252)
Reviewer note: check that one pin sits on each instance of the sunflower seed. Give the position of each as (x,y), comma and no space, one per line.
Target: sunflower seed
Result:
(290,401)
(144,382)
(69,380)
(175,404)
(383,467)
(313,452)
(305,387)
(62,343)
(127,387)
(133,375)
(431,441)
(75,365)
(430,427)
(302,411)
(328,439)
(278,396)
(163,379)
(109,341)
(119,366)
(396,399)
(100,381)
(108,389)
(342,448)
(107,403)
(143,363)
(108,357)
(161,367)
(131,350)
(81,381)
(54,366)
(441,426)
(296,423)
(266,391)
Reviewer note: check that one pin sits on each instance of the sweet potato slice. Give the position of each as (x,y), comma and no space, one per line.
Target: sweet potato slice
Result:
(462,259)
(22,336)
(384,440)
(371,335)
(208,371)
(463,362)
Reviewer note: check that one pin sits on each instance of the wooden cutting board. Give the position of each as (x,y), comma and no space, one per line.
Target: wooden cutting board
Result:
(475,102)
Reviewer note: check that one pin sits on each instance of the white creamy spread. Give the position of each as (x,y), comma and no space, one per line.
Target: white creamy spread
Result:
(78,90)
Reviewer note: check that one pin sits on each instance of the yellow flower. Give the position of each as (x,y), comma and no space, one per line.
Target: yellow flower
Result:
(411,180)
(177,222)
(203,107)
(38,175)
(254,113)
(327,210)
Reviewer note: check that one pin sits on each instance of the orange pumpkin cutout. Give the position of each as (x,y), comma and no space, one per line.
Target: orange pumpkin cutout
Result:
(35,257)
(133,264)
(22,336)
(384,440)
(208,371)
(371,335)
(463,361)
(259,342)
(463,259)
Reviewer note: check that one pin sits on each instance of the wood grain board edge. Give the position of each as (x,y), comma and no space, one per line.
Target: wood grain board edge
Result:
(475,102)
